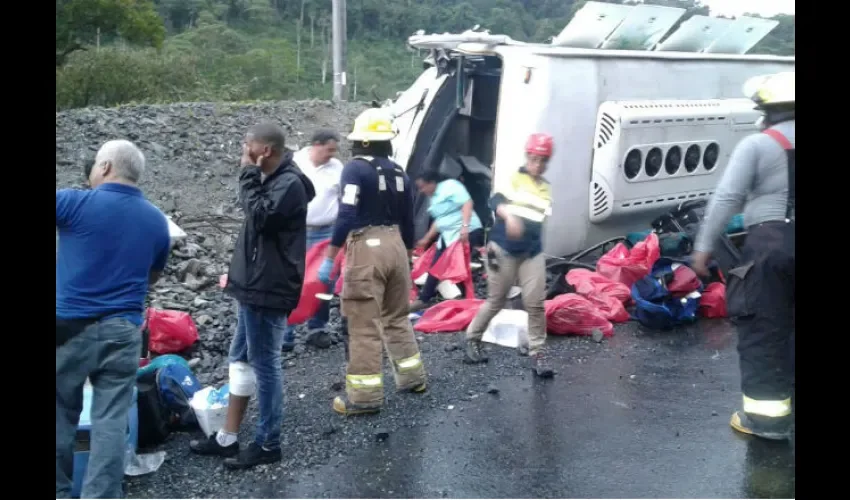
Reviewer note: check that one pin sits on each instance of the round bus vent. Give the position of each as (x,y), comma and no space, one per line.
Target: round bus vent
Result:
(653,161)
(632,166)
(709,159)
(692,157)
(673,160)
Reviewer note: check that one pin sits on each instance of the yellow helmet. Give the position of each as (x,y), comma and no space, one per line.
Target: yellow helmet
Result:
(374,124)
(770,90)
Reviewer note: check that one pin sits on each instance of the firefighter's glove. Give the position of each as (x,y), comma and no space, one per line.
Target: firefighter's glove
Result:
(325,271)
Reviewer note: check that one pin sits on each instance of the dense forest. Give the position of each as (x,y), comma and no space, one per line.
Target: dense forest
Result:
(110,52)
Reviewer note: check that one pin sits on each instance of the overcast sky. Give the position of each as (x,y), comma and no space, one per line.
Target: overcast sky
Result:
(765,8)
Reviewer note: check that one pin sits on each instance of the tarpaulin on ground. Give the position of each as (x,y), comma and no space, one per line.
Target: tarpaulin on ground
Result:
(571,313)
(448,316)
(627,266)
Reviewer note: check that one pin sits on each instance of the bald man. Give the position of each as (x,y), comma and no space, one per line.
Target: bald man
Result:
(112,244)
(265,277)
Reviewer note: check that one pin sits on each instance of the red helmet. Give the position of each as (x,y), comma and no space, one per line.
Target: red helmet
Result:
(539,144)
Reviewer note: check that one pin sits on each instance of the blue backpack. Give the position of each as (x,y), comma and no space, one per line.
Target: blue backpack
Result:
(176,385)
(655,307)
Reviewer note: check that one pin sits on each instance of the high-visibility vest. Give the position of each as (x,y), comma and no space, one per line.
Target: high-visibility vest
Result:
(528,198)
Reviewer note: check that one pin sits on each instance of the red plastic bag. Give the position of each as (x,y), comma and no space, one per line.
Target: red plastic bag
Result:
(454,266)
(448,316)
(611,307)
(170,331)
(627,266)
(712,304)
(573,314)
(339,265)
(685,281)
(308,303)
(423,264)
(587,282)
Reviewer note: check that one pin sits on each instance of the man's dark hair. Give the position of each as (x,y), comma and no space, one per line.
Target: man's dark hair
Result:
(323,136)
(270,134)
(376,148)
(430,176)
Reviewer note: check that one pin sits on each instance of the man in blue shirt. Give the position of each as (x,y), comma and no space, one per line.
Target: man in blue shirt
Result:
(376,224)
(113,244)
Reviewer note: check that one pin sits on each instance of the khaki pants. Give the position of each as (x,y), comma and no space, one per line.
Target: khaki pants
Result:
(374,297)
(531,274)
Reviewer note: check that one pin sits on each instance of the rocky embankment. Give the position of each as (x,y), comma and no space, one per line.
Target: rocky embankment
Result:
(192,153)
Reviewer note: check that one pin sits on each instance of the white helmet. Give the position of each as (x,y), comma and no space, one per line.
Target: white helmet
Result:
(771,90)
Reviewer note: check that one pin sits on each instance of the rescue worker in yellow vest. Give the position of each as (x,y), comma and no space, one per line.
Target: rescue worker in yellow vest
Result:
(515,253)
(375,222)
(760,178)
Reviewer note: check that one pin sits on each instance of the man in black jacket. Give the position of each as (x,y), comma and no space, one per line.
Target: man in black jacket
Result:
(265,277)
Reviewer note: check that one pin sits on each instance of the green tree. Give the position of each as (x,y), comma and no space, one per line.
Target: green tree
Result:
(236,50)
(83,22)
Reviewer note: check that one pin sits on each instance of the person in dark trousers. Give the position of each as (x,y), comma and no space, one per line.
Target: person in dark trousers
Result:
(265,277)
(113,244)
(515,253)
(454,217)
(376,224)
(319,163)
(760,291)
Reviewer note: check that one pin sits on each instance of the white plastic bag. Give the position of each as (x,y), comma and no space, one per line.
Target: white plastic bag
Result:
(509,328)
(210,406)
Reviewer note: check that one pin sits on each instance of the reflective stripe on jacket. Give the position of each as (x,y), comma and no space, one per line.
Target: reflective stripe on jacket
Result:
(529,199)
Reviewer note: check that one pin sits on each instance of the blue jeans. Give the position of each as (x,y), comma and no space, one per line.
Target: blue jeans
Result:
(258,339)
(107,353)
(317,322)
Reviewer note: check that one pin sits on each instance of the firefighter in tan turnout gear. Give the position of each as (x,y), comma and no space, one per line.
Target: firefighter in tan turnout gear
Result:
(515,253)
(376,224)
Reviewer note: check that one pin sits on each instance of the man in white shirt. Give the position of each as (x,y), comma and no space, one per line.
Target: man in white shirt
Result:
(319,163)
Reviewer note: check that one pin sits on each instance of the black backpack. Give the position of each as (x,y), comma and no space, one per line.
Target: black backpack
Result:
(154,418)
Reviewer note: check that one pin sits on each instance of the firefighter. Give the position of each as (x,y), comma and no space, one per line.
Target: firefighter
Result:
(760,291)
(375,222)
(514,253)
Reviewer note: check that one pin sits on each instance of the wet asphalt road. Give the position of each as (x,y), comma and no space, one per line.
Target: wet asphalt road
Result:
(640,415)
(650,419)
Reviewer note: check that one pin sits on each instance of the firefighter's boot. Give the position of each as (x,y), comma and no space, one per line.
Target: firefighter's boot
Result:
(344,406)
(540,366)
(775,429)
(473,353)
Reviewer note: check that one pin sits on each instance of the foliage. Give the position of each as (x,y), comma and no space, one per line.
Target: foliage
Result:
(261,49)
(113,76)
(86,22)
